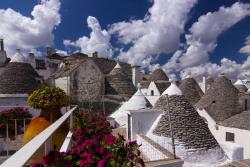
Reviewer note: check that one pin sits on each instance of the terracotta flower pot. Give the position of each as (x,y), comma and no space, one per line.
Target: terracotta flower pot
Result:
(38,124)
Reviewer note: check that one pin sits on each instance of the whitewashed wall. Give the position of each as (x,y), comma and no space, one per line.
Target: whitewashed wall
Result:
(44,72)
(144,91)
(147,93)
(141,122)
(242,137)
(63,83)
(152,99)
(152,87)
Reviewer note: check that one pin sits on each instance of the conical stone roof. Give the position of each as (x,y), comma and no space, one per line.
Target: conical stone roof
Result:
(239,82)
(136,102)
(240,86)
(120,82)
(18,78)
(158,75)
(161,103)
(191,90)
(173,89)
(221,101)
(18,58)
(189,129)
(209,82)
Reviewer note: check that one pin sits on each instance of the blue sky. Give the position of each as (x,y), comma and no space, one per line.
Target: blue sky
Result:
(73,25)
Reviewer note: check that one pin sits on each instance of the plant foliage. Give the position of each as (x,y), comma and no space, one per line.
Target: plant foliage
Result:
(48,97)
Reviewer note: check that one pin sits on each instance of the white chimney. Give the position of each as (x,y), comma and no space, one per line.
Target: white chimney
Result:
(136,75)
(204,85)
(32,60)
(1,45)
(3,55)
(95,54)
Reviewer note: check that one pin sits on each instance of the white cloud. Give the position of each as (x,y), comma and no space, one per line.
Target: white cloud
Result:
(159,32)
(99,40)
(27,33)
(246,49)
(202,40)
(232,70)
(204,32)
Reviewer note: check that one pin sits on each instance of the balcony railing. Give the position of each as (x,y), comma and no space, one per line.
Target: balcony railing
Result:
(22,156)
(19,127)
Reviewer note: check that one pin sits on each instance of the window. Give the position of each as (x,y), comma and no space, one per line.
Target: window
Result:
(229,136)
(245,107)
(129,127)
(152,92)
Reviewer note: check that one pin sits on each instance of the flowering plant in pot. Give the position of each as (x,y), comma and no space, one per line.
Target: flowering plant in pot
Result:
(95,146)
(50,100)
(8,116)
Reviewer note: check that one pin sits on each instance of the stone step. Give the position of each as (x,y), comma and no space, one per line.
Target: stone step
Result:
(241,163)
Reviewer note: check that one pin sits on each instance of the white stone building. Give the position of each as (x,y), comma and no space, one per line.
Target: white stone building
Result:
(17,80)
(154,85)
(136,102)
(222,107)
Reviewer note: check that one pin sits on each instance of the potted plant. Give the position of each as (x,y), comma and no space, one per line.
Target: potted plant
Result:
(50,100)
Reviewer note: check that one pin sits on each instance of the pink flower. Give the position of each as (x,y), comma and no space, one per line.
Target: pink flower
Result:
(37,165)
(102,150)
(132,143)
(140,161)
(101,163)
(110,140)
(86,159)
(88,143)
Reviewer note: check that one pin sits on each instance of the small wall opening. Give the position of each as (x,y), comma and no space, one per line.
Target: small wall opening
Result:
(245,104)
(152,92)
(129,127)
(230,137)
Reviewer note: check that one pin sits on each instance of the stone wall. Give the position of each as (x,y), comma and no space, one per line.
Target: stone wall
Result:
(244,100)
(86,83)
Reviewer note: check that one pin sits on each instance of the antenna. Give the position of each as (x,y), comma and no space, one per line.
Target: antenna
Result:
(167,111)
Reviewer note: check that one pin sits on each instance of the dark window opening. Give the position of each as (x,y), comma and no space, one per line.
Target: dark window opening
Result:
(129,127)
(213,102)
(152,93)
(216,127)
(229,136)
(245,107)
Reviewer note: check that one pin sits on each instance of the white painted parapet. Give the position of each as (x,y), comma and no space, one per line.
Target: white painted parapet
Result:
(23,155)
(67,142)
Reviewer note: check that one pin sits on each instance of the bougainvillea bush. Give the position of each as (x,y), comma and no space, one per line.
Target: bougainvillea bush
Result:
(95,146)
(8,116)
